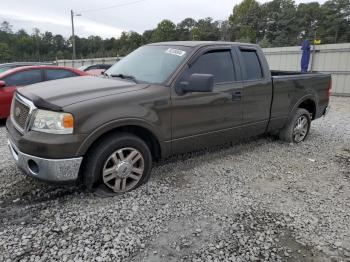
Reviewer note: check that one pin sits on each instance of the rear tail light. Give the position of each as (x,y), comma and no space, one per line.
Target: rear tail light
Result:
(329,88)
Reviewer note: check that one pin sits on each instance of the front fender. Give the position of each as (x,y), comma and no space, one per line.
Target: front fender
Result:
(112,125)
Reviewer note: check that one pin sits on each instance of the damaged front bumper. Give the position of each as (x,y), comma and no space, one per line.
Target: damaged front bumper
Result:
(50,170)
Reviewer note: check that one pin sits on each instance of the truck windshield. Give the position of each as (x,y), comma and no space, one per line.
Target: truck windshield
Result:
(150,64)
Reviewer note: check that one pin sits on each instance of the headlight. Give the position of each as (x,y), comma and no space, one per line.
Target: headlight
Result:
(53,122)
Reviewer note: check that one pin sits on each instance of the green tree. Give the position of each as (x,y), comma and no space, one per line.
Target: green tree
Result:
(206,30)
(264,43)
(6,27)
(246,21)
(274,23)
(308,16)
(59,43)
(226,30)
(335,23)
(280,23)
(184,29)
(5,54)
(165,31)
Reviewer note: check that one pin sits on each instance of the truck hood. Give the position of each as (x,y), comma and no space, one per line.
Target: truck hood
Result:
(57,94)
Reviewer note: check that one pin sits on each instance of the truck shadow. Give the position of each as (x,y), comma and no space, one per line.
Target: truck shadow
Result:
(2,122)
(215,152)
(29,191)
(174,169)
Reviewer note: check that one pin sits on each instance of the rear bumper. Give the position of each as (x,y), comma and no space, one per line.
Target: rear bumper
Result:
(49,170)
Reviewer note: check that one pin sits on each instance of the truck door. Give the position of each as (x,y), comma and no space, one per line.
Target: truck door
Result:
(257,90)
(205,119)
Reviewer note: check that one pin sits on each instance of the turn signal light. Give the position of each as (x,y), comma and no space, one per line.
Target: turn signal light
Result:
(68,121)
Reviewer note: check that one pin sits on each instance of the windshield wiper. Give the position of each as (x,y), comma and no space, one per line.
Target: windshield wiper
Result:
(126,77)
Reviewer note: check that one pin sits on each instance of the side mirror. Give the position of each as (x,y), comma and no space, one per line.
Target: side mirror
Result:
(2,84)
(197,83)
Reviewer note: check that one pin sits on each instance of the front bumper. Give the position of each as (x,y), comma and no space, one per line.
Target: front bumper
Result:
(50,170)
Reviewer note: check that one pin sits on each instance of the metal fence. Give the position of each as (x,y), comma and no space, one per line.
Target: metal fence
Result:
(91,61)
(333,59)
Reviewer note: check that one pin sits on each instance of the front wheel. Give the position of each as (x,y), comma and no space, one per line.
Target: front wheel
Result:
(298,127)
(121,162)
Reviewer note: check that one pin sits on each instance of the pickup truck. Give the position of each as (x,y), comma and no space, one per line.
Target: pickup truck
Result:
(162,99)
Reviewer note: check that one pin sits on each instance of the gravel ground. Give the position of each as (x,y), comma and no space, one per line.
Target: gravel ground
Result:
(262,200)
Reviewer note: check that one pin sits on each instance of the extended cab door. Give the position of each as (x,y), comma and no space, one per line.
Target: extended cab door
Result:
(257,89)
(205,119)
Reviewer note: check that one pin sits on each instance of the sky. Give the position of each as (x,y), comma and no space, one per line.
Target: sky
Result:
(108,18)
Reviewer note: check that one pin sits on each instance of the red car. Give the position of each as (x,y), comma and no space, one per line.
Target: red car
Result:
(27,75)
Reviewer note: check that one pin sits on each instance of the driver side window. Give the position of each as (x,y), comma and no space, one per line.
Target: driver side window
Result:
(216,63)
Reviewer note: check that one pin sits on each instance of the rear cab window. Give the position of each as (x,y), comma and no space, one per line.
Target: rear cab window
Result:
(251,68)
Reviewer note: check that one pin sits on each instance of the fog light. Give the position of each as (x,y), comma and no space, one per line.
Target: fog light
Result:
(33,167)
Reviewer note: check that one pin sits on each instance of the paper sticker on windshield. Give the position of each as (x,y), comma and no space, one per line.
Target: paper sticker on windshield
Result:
(177,52)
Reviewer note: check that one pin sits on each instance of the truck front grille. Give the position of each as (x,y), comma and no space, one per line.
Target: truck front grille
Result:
(20,113)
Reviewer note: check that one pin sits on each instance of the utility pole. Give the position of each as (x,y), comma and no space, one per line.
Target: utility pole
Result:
(73,35)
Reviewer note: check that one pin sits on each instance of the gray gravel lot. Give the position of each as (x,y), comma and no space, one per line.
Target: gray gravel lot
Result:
(262,200)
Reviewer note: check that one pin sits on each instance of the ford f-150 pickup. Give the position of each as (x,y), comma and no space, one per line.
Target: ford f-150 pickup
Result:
(162,99)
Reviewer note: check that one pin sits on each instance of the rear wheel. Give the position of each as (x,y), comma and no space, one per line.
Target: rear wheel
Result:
(121,162)
(298,127)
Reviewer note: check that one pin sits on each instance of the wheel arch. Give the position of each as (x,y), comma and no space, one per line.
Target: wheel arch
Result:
(308,103)
(310,106)
(137,127)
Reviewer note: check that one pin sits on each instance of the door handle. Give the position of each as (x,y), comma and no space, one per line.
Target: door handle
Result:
(236,96)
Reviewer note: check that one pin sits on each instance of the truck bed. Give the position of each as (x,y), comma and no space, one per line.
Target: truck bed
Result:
(290,73)
(290,86)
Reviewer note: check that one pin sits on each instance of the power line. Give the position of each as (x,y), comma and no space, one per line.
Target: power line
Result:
(96,21)
(93,19)
(109,7)
(93,10)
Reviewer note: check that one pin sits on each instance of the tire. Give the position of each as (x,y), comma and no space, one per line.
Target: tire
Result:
(297,128)
(120,161)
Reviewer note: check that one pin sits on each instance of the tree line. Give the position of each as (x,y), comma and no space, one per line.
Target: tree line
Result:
(273,24)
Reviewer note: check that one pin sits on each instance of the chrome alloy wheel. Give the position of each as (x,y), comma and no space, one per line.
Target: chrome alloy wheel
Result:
(123,169)
(300,129)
